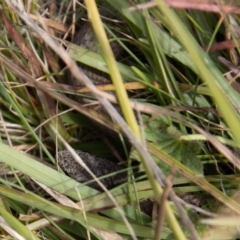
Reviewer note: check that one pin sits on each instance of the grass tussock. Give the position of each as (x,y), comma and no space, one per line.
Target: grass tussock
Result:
(177,89)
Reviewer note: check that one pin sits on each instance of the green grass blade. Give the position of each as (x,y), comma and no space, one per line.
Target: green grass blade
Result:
(17,225)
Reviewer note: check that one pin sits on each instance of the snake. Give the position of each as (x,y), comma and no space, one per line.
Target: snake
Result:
(99,166)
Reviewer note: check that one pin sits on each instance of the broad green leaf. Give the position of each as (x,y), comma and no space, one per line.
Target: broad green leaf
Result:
(167,137)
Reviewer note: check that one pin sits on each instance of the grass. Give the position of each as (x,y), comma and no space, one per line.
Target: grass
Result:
(186,140)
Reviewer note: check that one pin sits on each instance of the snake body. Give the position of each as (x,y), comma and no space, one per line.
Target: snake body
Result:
(99,166)
(85,38)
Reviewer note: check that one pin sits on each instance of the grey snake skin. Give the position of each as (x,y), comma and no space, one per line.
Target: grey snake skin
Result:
(99,166)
